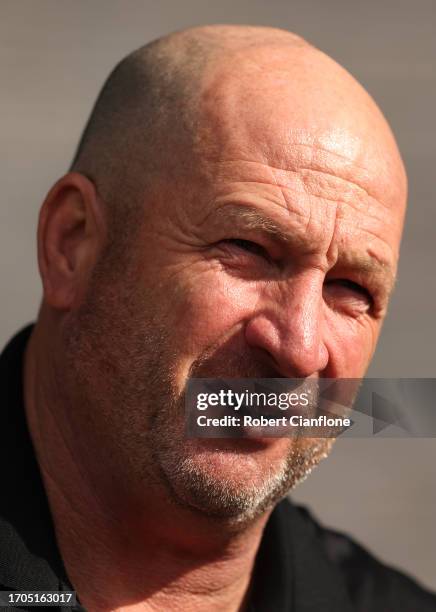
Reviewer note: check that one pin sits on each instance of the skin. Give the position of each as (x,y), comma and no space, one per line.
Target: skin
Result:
(292,158)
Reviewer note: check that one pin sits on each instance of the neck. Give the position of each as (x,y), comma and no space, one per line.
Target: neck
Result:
(119,552)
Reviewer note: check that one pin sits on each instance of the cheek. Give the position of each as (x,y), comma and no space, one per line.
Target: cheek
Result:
(350,344)
(204,307)
(210,309)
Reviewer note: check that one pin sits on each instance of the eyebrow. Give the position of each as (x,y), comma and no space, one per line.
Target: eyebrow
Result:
(250,218)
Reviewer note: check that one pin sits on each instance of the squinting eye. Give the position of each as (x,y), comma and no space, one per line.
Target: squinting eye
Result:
(351,285)
(247,245)
(344,294)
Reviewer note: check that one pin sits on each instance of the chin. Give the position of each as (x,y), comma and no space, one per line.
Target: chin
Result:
(238,480)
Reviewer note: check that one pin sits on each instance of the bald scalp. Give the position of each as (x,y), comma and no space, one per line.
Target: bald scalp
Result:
(147,115)
(188,96)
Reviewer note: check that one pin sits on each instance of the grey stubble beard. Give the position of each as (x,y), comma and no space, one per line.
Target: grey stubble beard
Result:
(191,484)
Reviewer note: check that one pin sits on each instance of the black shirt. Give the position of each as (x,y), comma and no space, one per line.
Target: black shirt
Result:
(300,566)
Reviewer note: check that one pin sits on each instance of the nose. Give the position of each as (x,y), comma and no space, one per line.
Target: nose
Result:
(287,324)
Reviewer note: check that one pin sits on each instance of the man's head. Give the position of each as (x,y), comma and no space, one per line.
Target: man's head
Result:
(235,210)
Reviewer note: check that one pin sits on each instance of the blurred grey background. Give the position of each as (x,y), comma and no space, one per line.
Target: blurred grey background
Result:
(55,55)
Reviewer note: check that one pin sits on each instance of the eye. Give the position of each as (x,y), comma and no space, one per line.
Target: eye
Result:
(248,246)
(348,296)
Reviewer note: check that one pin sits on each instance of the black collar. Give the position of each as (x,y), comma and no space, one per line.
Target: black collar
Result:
(30,557)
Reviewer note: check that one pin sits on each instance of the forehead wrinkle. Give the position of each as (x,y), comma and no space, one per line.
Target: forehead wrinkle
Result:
(305,191)
(316,187)
(303,209)
(315,169)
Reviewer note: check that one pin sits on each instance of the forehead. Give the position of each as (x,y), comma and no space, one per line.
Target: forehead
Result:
(291,107)
(301,144)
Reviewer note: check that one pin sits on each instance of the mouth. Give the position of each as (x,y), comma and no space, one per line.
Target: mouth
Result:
(223,408)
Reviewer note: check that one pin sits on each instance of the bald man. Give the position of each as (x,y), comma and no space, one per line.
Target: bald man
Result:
(235,210)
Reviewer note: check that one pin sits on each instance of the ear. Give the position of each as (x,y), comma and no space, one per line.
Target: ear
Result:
(71,235)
